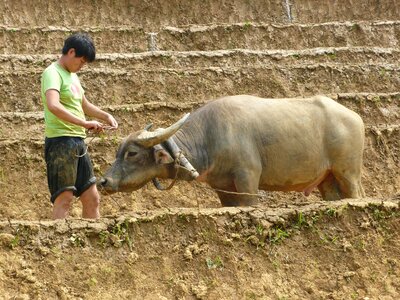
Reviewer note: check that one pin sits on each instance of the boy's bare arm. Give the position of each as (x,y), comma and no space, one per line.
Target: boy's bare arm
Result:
(56,108)
(95,112)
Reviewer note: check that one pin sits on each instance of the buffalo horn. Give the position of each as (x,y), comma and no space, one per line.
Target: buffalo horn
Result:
(151,138)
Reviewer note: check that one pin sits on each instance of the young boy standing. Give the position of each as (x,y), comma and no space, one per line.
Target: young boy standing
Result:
(69,168)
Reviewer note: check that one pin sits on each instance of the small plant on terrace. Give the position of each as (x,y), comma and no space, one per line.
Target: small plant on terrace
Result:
(383,72)
(259,229)
(104,238)
(21,236)
(378,215)
(120,234)
(247,24)
(114,140)
(92,281)
(301,221)
(215,263)
(377,101)
(184,218)
(277,235)
(355,26)
(331,212)
(14,242)
(331,55)
(314,218)
(327,238)
(354,295)
(296,56)
(77,240)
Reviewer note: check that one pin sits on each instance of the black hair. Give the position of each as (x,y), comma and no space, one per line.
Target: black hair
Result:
(83,45)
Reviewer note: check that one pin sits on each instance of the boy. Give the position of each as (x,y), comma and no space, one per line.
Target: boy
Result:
(69,168)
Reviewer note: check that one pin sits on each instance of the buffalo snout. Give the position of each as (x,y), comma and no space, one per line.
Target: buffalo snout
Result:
(102,182)
(106,185)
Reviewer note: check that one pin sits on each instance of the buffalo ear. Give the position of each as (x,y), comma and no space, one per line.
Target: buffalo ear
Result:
(162,157)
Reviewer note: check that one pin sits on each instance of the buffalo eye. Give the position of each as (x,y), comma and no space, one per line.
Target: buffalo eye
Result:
(131,154)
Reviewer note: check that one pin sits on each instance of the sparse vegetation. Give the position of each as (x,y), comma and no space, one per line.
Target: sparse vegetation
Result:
(296,56)
(331,212)
(215,263)
(247,24)
(184,218)
(103,238)
(117,236)
(120,235)
(77,240)
(22,235)
(383,72)
(301,221)
(355,26)
(277,235)
(259,229)
(14,242)
(331,55)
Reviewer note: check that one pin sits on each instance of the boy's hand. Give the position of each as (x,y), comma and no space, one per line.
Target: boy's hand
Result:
(112,122)
(93,126)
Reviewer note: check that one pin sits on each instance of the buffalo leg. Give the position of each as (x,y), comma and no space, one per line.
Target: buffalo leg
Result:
(350,185)
(329,188)
(244,192)
(229,199)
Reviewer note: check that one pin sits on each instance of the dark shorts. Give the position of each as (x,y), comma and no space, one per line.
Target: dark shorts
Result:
(66,170)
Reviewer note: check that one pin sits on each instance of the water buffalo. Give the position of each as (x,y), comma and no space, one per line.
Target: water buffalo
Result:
(244,143)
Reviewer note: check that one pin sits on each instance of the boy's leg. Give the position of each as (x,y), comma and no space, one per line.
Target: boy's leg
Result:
(86,185)
(62,204)
(90,203)
(61,163)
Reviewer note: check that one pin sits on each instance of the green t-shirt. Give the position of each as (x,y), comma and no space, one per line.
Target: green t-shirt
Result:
(71,95)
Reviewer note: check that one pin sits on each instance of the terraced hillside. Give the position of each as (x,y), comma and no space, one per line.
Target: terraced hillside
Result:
(156,61)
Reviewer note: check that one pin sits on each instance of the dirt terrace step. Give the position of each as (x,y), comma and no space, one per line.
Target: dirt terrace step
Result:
(22,163)
(23,176)
(138,13)
(226,216)
(182,12)
(280,36)
(115,86)
(218,58)
(114,137)
(256,36)
(320,11)
(373,108)
(224,253)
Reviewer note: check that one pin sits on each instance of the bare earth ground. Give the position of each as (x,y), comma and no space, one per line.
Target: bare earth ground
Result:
(181,244)
(25,194)
(340,250)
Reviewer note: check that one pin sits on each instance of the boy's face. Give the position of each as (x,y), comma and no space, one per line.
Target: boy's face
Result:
(74,63)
